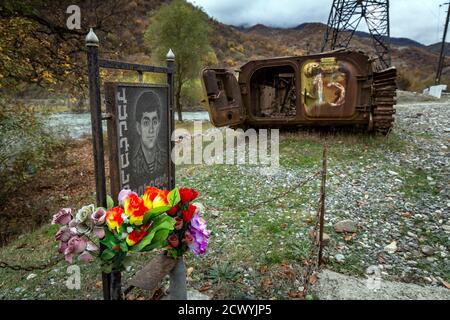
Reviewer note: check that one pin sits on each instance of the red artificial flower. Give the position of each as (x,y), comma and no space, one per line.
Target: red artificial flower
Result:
(188,238)
(178,223)
(189,213)
(173,240)
(187,194)
(173,211)
(136,236)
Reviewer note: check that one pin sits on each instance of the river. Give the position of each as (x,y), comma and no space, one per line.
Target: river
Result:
(78,125)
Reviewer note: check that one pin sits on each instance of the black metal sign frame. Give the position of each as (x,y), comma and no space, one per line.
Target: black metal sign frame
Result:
(111,281)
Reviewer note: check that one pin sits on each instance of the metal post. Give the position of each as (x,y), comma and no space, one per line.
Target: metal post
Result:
(170,60)
(322,202)
(178,289)
(97,135)
(442,53)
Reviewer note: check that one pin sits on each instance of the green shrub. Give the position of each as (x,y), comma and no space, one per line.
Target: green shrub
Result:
(25,146)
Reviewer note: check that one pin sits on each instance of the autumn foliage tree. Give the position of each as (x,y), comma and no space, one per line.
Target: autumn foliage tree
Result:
(184,29)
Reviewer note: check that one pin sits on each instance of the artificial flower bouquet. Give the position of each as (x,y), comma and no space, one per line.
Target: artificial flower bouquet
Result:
(157,219)
(190,233)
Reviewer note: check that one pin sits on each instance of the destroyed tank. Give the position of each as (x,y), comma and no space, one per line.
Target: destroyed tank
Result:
(335,88)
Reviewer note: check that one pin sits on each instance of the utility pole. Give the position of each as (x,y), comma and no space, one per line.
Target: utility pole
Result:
(345,17)
(442,53)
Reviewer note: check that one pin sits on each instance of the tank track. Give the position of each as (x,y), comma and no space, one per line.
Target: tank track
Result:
(383,100)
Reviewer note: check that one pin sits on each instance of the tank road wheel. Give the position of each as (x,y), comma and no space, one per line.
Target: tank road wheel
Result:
(383,100)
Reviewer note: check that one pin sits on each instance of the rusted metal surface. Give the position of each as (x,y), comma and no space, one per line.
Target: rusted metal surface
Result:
(329,89)
(150,276)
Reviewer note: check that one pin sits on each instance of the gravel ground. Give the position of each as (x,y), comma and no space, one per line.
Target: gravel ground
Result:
(335,286)
(400,202)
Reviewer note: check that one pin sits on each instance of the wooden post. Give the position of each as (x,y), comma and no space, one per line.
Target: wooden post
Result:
(322,202)
(97,135)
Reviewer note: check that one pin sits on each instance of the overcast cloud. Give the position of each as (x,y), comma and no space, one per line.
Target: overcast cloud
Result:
(420,20)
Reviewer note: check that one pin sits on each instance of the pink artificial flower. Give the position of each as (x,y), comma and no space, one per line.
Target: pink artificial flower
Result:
(63,234)
(62,247)
(63,217)
(99,232)
(76,245)
(99,216)
(86,257)
(90,246)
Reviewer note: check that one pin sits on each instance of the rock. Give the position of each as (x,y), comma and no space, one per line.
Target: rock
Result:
(31,276)
(427,250)
(446,228)
(195,295)
(391,248)
(340,258)
(392,173)
(345,226)
(412,235)
(325,238)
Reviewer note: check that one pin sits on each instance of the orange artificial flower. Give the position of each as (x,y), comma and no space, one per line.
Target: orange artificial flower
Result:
(135,209)
(114,218)
(137,235)
(154,198)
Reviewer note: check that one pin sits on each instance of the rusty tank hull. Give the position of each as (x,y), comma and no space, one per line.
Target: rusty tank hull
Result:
(327,89)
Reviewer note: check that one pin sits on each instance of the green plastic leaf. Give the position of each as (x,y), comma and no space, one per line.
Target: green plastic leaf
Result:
(123,246)
(174,197)
(164,224)
(109,240)
(109,202)
(160,209)
(107,254)
(158,240)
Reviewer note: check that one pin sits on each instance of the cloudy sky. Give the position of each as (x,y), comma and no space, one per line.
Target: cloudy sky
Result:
(420,20)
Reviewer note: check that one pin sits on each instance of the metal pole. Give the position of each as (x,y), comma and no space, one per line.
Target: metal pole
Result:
(97,135)
(177,276)
(442,53)
(322,202)
(170,60)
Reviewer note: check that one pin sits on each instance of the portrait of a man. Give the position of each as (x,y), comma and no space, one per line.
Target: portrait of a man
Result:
(149,157)
(141,131)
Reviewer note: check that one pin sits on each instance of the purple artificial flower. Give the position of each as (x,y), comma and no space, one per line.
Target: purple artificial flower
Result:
(199,234)
(63,217)
(123,195)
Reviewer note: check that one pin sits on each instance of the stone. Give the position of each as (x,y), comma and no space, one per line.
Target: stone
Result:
(325,238)
(427,250)
(391,248)
(340,258)
(196,295)
(446,228)
(345,226)
(31,276)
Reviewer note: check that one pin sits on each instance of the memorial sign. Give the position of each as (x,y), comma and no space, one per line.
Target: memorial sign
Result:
(139,136)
